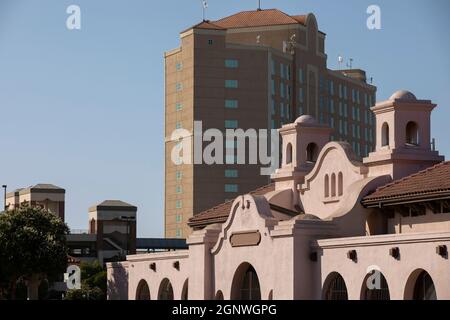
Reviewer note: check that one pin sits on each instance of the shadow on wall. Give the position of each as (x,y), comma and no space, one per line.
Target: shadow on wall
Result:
(117,288)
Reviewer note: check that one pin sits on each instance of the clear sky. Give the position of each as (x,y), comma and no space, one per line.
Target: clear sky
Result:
(84,109)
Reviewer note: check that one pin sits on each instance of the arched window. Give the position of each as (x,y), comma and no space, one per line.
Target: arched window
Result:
(185,292)
(340,184)
(289,154)
(420,286)
(335,288)
(375,287)
(43,290)
(424,288)
(312,151)
(219,295)
(385,135)
(165,290)
(143,291)
(412,134)
(333,185)
(92,226)
(326,185)
(245,284)
(250,287)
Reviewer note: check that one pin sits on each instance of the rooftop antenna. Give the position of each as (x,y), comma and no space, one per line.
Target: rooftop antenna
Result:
(340,60)
(292,43)
(350,63)
(259,5)
(205,6)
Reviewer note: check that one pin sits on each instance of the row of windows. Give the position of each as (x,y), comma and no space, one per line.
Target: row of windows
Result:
(227,187)
(333,188)
(231,63)
(230,84)
(229,104)
(231,124)
(232,188)
(285,70)
(231,173)
(419,286)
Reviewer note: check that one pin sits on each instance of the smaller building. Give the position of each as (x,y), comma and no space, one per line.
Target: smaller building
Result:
(111,235)
(48,196)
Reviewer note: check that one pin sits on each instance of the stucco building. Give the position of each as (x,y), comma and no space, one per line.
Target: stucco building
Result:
(255,69)
(45,195)
(330,225)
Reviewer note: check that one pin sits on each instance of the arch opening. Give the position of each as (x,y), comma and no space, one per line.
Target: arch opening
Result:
(334,287)
(219,295)
(245,284)
(326,186)
(340,184)
(375,287)
(312,152)
(289,153)
(333,185)
(143,291)
(412,134)
(185,291)
(385,135)
(165,290)
(420,286)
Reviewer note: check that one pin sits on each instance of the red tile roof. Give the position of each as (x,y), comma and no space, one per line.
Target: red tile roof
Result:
(219,213)
(258,18)
(207,25)
(424,184)
(255,18)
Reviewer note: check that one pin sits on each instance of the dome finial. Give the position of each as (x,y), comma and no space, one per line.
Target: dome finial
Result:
(403,95)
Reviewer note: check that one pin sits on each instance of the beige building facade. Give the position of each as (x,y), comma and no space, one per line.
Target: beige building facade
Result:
(253,70)
(47,196)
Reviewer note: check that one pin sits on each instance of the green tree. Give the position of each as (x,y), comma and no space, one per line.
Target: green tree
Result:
(93,283)
(32,247)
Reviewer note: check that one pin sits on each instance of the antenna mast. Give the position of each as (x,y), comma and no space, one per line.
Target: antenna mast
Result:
(259,5)
(205,6)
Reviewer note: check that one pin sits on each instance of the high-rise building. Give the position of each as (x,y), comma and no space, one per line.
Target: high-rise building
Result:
(255,69)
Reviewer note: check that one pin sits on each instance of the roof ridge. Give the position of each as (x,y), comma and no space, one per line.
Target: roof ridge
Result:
(220,205)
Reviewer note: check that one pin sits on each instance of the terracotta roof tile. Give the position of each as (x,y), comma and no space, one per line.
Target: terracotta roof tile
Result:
(208,25)
(301,19)
(258,18)
(219,213)
(435,179)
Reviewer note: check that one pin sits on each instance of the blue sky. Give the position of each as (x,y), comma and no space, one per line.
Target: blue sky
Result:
(84,109)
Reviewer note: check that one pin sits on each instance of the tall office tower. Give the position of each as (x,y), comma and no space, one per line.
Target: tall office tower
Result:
(255,69)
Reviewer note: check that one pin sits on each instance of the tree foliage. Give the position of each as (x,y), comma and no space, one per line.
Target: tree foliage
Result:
(93,283)
(32,242)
